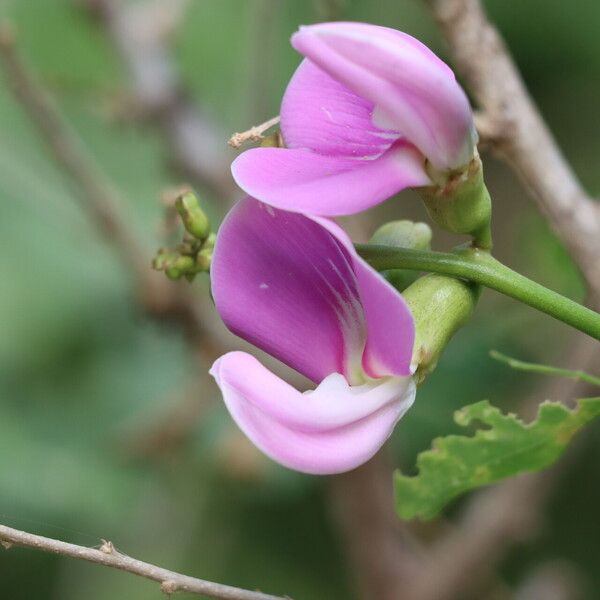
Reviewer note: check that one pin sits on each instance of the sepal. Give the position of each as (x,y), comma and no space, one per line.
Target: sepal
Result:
(440,305)
(460,203)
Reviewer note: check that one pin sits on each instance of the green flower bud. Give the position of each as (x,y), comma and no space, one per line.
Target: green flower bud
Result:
(194,254)
(163,259)
(440,305)
(203,259)
(194,220)
(210,241)
(182,265)
(402,234)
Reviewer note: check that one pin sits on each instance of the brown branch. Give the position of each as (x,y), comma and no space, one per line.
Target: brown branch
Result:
(100,201)
(464,559)
(170,581)
(140,34)
(555,580)
(498,518)
(158,297)
(525,140)
(382,555)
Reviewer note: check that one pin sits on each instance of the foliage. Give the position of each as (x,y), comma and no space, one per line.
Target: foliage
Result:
(457,463)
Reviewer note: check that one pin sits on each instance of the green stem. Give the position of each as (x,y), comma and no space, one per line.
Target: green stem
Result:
(544,369)
(480,267)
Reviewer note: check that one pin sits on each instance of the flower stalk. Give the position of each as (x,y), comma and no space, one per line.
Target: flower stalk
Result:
(530,367)
(480,267)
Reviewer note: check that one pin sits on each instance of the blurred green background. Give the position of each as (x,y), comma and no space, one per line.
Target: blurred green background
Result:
(84,376)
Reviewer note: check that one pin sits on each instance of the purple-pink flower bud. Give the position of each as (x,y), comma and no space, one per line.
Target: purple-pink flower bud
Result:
(364,114)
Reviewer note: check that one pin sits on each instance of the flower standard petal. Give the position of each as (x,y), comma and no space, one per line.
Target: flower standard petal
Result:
(303,181)
(332,429)
(294,286)
(281,281)
(320,114)
(414,92)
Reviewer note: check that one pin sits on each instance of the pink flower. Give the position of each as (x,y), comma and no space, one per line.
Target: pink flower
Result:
(294,286)
(360,118)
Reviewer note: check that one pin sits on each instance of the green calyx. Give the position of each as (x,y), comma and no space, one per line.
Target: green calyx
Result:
(275,140)
(440,305)
(461,203)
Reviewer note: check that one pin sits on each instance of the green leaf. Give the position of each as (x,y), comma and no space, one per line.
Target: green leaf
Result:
(457,463)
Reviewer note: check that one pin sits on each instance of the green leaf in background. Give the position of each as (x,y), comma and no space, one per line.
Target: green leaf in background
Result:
(456,463)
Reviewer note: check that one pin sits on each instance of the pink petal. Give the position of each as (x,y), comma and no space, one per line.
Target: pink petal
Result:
(302,181)
(333,429)
(320,114)
(413,91)
(295,287)
(281,282)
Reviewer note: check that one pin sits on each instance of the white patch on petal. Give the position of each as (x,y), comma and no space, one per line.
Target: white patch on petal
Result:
(267,207)
(381,392)
(383,120)
(328,113)
(345,304)
(352,324)
(332,429)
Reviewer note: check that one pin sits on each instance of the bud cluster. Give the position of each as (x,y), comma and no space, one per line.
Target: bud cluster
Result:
(194,254)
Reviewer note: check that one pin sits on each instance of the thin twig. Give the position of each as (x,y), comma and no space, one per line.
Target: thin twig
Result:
(99,200)
(254,134)
(160,298)
(140,32)
(529,367)
(170,581)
